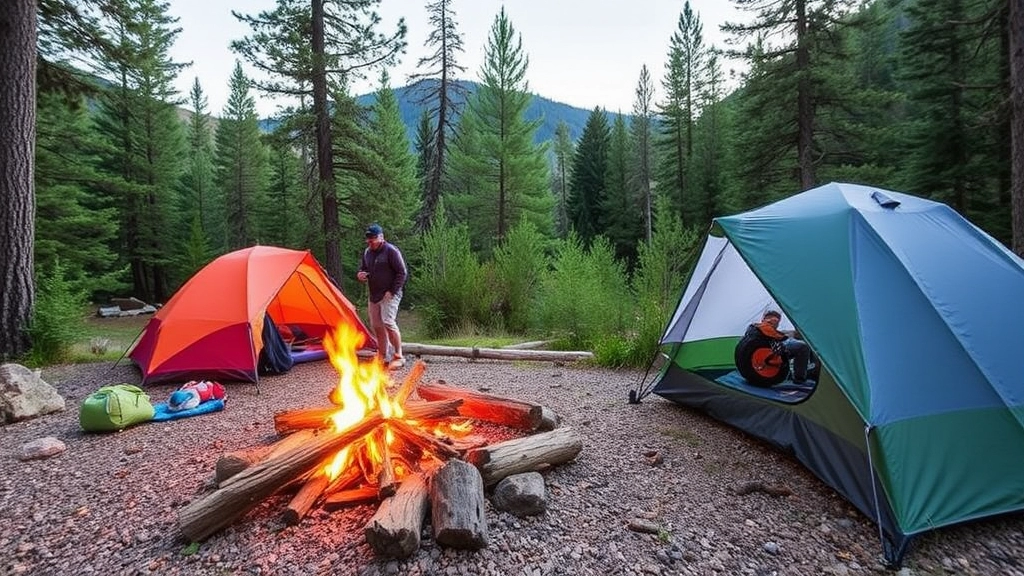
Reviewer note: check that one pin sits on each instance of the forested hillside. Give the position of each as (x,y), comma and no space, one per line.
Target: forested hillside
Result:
(919,96)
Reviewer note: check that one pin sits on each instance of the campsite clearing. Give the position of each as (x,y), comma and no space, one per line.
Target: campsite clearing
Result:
(108,505)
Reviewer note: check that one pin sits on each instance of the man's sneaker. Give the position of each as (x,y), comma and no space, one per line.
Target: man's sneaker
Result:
(396,363)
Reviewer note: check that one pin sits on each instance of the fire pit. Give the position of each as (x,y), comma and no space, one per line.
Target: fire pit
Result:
(376,442)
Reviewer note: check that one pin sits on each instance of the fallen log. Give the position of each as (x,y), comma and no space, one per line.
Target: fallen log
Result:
(243,491)
(526,454)
(487,407)
(457,506)
(232,463)
(496,353)
(394,530)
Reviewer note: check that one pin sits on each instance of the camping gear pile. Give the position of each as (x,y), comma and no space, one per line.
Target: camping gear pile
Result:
(379,445)
(917,317)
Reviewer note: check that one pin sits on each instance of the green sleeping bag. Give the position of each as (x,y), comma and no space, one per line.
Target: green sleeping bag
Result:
(115,407)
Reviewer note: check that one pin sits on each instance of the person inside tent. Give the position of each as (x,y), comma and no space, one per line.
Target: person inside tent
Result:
(795,348)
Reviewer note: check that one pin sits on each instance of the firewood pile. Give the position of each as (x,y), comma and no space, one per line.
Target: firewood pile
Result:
(411,449)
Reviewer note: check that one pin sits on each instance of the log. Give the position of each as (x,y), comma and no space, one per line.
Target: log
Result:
(288,421)
(496,353)
(527,454)
(457,506)
(232,463)
(305,498)
(422,410)
(394,530)
(487,407)
(410,382)
(534,345)
(243,491)
(422,440)
(351,496)
(386,482)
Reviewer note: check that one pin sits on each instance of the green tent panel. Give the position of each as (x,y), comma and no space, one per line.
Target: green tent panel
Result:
(917,317)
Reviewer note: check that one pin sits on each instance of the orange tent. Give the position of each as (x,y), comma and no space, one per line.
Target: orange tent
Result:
(212,327)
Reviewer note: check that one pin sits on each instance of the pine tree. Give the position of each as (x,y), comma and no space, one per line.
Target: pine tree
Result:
(17,211)
(511,172)
(682,82)
(199,200)
(311,49)
(441,97)
(622,216)
(74,222)
(241,164)
(589,171)
(138,117)
(1015,30)
(641,129)
(288,227)
(564,150)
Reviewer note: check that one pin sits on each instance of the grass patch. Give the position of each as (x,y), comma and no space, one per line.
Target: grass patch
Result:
(107,338)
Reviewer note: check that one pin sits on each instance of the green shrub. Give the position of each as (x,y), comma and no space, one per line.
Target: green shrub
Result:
(519,263)
(585,296)
(450,283)
(57,322)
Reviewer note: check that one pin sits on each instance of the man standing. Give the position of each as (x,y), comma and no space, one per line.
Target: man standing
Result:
(383,269)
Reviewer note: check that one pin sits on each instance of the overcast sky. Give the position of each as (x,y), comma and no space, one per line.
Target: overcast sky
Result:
(586,53)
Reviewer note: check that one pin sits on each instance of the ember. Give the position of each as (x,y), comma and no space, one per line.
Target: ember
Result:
(375,444)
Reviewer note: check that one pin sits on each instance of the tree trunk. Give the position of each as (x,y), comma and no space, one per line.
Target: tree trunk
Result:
(324,152)
(17,159)
(1016,32)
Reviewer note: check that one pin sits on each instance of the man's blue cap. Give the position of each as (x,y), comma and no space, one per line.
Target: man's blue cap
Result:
(374,230)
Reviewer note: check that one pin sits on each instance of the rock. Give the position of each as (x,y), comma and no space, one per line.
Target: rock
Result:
(24,395)
(644,526)
(521,494)
(108,311)
(41,448)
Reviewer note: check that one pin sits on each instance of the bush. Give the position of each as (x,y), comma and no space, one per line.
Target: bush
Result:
(56,320)
(519,264)
(450,283)
(585,297)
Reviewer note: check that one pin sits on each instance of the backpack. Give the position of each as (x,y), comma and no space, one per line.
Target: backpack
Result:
(113,408)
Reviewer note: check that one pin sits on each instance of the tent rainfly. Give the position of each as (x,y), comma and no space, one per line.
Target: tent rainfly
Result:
(212,327)
(917,317)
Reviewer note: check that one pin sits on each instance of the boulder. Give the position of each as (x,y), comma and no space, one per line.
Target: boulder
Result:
(521,494)
(24,395)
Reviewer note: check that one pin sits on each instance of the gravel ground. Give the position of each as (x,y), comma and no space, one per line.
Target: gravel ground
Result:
(108,504)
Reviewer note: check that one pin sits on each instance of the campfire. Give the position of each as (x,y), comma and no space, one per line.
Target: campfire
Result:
(376,442)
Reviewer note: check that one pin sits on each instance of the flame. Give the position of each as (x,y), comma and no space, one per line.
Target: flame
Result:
(361,389)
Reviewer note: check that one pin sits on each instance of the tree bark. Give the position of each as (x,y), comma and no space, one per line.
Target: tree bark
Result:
(527,454)
(324,152)
(245,490)
(17,173)
(394,530)
(1016,32)
(457,506)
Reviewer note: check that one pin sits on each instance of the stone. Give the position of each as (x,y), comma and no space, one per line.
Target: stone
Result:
(521,494)
(25,395)
(41,448)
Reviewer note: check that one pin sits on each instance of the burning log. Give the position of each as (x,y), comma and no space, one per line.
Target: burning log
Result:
(243,491)
(410,382)
(457,506)
(425,442)
(421,410)
(305,498)
(352,496)
(289,421)
(526,454)
(232,463)
(409,348)
(487,407)
(386,482)
(395,529)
